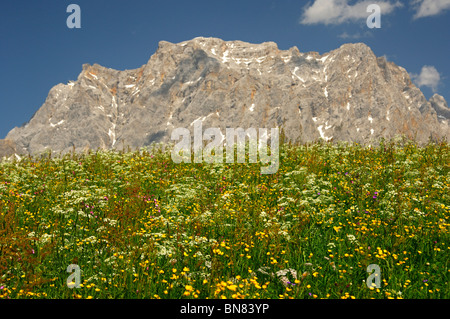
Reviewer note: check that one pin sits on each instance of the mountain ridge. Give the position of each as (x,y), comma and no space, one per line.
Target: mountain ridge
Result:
(345,94)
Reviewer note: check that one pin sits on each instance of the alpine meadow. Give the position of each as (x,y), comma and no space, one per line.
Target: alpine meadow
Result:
(139,225)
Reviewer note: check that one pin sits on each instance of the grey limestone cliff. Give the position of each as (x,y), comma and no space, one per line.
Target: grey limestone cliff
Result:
(346,94)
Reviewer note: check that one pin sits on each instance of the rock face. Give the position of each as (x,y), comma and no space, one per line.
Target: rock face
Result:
(440,106)
(346,94)
(7,147)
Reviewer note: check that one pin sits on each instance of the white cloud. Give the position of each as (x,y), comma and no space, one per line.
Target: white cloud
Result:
(427,8)
(429,77)
(339,11)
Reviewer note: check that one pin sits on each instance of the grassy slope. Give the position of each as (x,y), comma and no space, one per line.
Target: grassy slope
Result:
(141,226)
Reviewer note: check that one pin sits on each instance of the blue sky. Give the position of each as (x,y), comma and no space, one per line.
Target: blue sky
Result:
(38,50)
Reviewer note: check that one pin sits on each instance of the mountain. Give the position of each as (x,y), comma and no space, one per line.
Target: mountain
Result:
(440,106)
(346,94)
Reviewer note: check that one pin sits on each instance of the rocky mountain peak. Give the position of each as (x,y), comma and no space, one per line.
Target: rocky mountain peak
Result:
(346,94)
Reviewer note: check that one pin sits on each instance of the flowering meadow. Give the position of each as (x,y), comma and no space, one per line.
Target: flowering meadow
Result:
(140,226)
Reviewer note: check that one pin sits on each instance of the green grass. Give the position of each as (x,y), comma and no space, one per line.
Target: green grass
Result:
(140,226)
